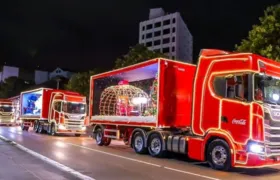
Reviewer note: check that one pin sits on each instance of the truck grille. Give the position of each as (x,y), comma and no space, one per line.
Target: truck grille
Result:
(74,122)
(272,129)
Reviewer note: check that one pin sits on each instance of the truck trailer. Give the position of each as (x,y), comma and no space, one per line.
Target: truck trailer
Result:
(7,112)
(53,111)
(225,110)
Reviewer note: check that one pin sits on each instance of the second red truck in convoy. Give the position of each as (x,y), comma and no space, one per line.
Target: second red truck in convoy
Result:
(225,110)
(53,111)
(7,112)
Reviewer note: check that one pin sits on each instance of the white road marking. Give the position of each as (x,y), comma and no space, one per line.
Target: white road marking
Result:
(139,161)
(190,173)
(111,154)
(50,161)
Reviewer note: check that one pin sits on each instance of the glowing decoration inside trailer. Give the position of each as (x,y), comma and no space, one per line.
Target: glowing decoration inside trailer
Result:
(127,96)
(123,100)
(32,103)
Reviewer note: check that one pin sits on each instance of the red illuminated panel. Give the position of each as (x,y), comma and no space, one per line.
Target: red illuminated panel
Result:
(75,98)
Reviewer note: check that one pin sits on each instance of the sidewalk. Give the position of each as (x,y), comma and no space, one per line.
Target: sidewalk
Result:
(17,164)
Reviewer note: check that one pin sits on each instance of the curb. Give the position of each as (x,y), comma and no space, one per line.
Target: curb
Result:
(47,160)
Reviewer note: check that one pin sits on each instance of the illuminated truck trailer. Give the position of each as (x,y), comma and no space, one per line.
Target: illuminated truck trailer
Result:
(225,110)
(53,111)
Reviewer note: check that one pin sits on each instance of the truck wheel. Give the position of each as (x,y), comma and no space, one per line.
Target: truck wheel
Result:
(40,127)
(218,155)
(77,135)
(22,127)
(107,141)
(52,130)
(138,143)
(155,146)
(36,126)
(99,137)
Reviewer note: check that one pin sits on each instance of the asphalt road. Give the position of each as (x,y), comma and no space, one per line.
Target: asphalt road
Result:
(119,162)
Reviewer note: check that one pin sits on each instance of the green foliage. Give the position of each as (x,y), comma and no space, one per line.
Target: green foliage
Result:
(80,82)
(137,54)
(264,39)
(154,89)
(13,86)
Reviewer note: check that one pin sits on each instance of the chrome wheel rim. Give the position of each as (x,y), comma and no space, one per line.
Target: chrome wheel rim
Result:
(98,137)
(138,143)
(219,155)
(156,146)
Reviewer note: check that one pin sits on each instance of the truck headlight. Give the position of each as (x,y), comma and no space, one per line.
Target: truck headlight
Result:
(62,127)
(84,128)
(255,147)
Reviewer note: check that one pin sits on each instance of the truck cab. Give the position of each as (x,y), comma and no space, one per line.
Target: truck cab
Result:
(7,112)
(237,101)
(69,115)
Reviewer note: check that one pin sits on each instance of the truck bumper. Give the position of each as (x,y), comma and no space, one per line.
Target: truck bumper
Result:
(69,131)
(8,124)
(257,161)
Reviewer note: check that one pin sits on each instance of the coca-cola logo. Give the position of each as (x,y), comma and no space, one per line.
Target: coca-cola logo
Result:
(239,121)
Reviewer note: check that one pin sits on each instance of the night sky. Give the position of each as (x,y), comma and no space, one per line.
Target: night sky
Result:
(84,34)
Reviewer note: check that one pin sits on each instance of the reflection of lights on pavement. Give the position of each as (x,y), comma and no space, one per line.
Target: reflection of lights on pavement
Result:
(59,155)
(12,136)
(60,144)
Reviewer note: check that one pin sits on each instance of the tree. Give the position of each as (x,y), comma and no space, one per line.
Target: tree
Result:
(264,39)
(13,86)
(79,82)
(137,54)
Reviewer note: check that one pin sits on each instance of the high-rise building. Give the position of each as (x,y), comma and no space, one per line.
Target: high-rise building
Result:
(168,34)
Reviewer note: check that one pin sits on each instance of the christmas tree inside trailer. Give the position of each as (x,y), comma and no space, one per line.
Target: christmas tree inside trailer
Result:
(129,95)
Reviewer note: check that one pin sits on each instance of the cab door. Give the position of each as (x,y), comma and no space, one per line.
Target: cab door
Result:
(235,107)
(56,111)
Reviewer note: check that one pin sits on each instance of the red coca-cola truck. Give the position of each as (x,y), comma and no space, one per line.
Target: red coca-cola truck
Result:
(53,111)
(225,110)
(7,112)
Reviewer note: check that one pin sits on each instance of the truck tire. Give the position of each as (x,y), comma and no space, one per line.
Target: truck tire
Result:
(24,128)
(155,146)
(100,139)
(36,126)
(138,143)
(77,135)
(107,141)
(40,128)
(52,130)
(218,155)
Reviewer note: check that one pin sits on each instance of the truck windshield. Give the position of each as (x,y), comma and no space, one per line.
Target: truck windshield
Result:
(76,108)
(6,108)
(267,89)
